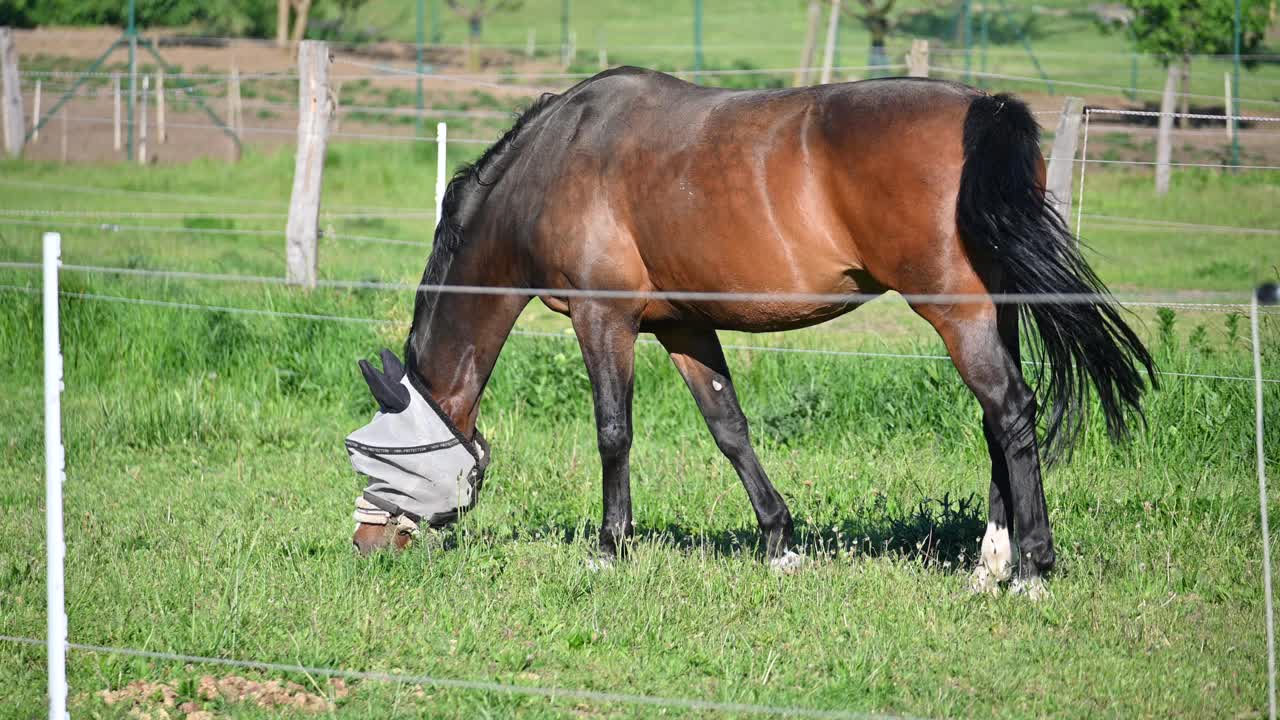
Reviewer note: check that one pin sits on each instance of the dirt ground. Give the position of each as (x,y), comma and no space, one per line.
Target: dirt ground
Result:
(84,130)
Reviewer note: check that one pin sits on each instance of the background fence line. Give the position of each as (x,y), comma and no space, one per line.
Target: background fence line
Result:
(93,119)
(174,215)
(113,228)
(562,336)
(282,203)
(555,45)
(1183,297)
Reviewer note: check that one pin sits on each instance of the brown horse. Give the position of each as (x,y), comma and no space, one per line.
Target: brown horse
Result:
(637,184)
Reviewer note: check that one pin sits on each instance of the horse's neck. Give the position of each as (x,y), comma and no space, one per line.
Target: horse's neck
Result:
(456,336)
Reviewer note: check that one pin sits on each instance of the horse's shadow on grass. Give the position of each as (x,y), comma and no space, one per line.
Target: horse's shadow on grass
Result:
(941,533)
(944,534)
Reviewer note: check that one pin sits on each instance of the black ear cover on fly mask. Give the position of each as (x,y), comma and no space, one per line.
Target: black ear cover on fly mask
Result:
(392,396)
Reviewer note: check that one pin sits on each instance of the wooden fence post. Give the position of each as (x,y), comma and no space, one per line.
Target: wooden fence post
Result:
(162,135)
(115,111)
(531,43)
(62,122)
(13,119)
(1062,157)
(1164,136)
(829,52)
(35,114)
(315,108)
(142,121)
(918,59)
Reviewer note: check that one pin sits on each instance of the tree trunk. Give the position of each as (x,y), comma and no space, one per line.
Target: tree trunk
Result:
(282,23)
(302,8)
(878,26)
(804,72)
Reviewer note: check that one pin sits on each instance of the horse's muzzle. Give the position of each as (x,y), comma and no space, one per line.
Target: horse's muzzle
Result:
(369,538)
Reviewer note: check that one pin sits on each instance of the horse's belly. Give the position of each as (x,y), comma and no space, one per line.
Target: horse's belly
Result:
(765,310)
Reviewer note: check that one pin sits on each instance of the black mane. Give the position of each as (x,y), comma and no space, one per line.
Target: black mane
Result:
(461,197)
(471,176)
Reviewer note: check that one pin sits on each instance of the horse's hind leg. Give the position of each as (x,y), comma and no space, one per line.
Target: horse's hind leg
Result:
(992,372)
(606,331)
(995,562)
(698,356)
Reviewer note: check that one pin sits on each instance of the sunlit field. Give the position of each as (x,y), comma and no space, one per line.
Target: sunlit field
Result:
(208,494)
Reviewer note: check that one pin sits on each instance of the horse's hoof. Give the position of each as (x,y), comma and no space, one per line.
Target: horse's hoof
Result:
(599,563)
(984,582)
(788,562)
(1033,587)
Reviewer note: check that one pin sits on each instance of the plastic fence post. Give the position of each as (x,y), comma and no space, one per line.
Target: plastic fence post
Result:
(55,473)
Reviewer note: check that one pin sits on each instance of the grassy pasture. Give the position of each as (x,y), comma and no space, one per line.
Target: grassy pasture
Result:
(1064,36)
(208,497)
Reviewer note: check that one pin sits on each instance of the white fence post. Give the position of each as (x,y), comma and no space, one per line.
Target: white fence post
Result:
(1230,106)
(55,473)
(442,167)
(115,112)
(35,113)
(315,108)
(1267,294)
(1062,157)
(1164,133)
(10,85)
(162,135)
(142,121)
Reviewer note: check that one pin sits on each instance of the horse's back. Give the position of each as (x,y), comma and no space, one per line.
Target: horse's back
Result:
(656,183)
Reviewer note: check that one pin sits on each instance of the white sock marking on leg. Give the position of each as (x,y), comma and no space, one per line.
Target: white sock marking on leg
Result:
(997,552)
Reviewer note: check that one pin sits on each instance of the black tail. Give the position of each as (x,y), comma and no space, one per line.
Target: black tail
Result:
(1005,217)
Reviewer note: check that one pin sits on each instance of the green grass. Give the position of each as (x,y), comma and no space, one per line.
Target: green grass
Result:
(208,497)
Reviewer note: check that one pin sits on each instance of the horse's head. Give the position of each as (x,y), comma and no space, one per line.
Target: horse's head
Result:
(420,469)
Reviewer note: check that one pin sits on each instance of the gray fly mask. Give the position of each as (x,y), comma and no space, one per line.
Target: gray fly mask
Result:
(419,466)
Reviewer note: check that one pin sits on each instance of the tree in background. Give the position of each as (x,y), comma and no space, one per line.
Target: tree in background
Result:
(301,10)
(475,12)
(233,17)
(1175,30)
(874,16)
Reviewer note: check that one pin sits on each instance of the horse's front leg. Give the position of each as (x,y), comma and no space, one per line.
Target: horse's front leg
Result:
(698,356)
(606,331)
